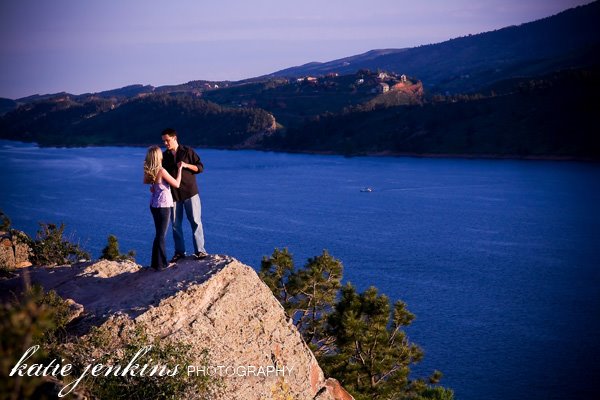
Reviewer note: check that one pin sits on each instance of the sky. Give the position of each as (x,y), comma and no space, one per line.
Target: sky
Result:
(80,46)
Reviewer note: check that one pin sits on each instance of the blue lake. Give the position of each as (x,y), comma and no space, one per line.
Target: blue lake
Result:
(498,259)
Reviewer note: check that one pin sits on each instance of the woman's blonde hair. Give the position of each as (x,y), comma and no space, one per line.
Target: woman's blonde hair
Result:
(152,163)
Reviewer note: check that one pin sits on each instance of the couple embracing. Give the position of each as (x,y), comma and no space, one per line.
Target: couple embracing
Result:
(171,175)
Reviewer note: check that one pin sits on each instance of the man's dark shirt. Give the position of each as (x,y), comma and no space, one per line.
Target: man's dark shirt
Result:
(188,187)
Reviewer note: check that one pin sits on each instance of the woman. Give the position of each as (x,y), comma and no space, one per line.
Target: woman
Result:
(161,201)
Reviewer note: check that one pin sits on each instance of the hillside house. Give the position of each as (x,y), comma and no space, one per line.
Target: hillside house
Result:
(403,78)
(307,79)
(383,88)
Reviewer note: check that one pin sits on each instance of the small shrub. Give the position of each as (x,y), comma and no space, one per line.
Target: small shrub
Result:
(281,390)
(4,227)
(102,346)
(60,313)
(37,317)
(111,251)
(34,317)
(50,248)
(4,222)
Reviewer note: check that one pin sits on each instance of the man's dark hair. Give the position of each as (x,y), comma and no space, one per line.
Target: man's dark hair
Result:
(169,131)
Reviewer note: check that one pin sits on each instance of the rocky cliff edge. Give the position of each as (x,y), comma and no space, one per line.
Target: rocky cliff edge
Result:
(217,303)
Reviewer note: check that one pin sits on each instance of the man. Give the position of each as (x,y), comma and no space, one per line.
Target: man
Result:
(186,197)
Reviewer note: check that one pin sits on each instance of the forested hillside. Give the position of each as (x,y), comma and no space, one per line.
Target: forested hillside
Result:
(136,122)
(550,117)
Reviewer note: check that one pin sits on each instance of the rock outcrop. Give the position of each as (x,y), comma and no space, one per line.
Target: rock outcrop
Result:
(217,303)
(14,250)
(252,141)
(413,89)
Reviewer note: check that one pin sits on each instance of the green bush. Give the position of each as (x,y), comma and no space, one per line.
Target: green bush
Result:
(40,318)
(50,248)
(102,346)
(4,222)
(34,317)
(111,251)
(4,227)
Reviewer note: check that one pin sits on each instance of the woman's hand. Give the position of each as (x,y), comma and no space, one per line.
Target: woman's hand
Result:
(180,164)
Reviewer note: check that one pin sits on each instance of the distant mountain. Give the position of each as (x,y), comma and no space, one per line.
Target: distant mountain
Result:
(124,92)
(114,94)
(343,65)
(41,97)
(570,39)
(7,105)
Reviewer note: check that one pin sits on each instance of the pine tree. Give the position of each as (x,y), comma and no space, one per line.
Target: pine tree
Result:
(373,356)
(307,295)
(357,337)
(111,251)
(275,271)
(315,288)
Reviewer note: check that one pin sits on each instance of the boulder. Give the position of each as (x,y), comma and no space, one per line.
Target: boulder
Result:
(217,303)
(7,254)
(14,250)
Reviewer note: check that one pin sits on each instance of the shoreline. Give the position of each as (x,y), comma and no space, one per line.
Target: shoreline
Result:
(466,156)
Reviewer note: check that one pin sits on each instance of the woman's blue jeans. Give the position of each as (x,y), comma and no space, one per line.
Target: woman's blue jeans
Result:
(161,216)
(193,212)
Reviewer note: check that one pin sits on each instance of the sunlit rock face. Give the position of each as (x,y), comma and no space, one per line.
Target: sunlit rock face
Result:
(217,304)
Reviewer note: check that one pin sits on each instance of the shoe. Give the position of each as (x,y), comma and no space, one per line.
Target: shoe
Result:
(177,257)
(200,255)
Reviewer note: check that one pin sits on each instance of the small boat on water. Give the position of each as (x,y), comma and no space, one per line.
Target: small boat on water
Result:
(366,189)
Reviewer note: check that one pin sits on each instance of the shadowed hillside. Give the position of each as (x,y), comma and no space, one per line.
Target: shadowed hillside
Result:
(62,121)
(546,117)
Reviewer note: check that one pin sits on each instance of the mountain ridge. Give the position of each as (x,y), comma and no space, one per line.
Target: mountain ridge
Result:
(581,20)
(489,53)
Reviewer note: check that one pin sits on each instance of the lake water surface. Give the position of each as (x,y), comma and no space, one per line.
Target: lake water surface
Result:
(498,259)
